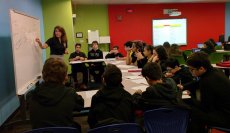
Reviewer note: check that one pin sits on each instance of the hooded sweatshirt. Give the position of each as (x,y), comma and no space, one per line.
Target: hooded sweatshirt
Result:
(53,104)
(157,96)
(111,103)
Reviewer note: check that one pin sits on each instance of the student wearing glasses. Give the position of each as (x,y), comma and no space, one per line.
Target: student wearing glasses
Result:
(213,103)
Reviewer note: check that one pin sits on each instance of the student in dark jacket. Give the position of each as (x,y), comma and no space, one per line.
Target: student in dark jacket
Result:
(52,104)
(114,53)
(159,93)
(79,56)
(208,47)
(214,88)
(111,104)
(96,53)
(179,73)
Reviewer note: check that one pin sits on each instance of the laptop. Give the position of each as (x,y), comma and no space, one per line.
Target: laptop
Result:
(194,50)
(200,45)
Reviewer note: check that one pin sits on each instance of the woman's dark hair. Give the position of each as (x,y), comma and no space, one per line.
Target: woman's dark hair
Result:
(162,54)
(128,44)
(199,59)
(228,38)
(149,48)
(152,70)
(54,70)
(112,75)
(139,45)
(172,62)
(63,34)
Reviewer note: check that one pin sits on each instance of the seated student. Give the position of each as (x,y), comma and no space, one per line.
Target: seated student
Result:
(160,56)
(96,68)
(142,60)
(160,92)
(208,47)
(214,88)
(114,53)
(167,46)
(137,48)
(79,56)
(175,51)
(179,73)
(128,48)
(52,104)
(111,104)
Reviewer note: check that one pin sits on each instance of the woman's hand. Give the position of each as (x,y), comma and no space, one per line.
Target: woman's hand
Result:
(37,40)
(66,51)
(139,55)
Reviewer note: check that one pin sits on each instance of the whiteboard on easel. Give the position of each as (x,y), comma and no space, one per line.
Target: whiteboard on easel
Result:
(27,55)
(93,35)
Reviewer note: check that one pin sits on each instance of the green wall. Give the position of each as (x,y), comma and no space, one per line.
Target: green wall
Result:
(58,12)
(91,17)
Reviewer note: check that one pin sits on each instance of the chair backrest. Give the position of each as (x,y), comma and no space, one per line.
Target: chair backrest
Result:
(55,130)
(166,120)
(118,128)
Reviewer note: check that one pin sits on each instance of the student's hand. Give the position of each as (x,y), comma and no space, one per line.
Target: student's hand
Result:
(155,59)
(111,51)
(77,57)
(180,86)
(139,55)
(168,75)
(128,49)
(82,58)
(138,92)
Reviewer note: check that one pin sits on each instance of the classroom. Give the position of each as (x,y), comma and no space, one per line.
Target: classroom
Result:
(114,22)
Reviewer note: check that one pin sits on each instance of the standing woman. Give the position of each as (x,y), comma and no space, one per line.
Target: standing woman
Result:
(57,44)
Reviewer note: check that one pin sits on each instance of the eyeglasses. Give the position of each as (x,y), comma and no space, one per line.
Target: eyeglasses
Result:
(192,69)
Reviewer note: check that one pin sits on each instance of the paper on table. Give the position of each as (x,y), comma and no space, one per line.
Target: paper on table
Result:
(133,77)
(185,96)
(136,74)
(142,87)
(125,66)
(89,94)
(116,62)
(140,81)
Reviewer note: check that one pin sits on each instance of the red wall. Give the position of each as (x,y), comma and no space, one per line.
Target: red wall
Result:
(204,21)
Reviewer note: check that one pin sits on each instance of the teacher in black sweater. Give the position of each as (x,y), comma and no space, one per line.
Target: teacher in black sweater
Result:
(57,43)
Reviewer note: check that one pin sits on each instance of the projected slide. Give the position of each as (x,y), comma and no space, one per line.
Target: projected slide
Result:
(171,30)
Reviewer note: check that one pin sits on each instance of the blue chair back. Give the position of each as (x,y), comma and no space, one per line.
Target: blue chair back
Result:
(118,128)
(165,120)
(55,130)
(227,130)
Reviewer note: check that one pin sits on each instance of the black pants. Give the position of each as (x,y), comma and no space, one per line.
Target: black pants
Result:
(80,68)
(97,69)
(200,120)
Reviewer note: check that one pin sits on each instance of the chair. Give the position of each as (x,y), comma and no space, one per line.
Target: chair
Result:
(218,128)
(165,120)
(54,130)
(118,128)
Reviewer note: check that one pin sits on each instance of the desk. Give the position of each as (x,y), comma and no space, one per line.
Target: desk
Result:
(222,51)
(131,79)
(226,69)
